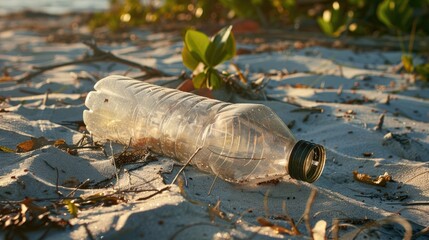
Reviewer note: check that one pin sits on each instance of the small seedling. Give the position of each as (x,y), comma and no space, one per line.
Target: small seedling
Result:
(202,54)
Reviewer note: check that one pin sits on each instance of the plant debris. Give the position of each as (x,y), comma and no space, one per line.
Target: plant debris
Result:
(132,156)
(17,218)
(277,228)
(72,207)
(33,144)
(378,181)
(6,149)
(214,211)
(101,199)
(380,123)
(98,55)
(368,154)
(393,219)
(359,101)
(36,143)
(27,216)
(395,196)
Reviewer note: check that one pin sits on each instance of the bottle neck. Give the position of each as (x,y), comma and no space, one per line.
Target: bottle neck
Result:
(306,161)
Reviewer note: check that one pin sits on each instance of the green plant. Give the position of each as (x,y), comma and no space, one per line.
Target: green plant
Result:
(420,70)
(122,14)
(189,10)
(356,17)
(265,11)
(368,16)
(396,14)
(202,54)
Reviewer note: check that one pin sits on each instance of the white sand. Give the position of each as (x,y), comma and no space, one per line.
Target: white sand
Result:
(345,129)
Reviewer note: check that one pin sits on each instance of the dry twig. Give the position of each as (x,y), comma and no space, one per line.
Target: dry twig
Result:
(378,223)
(98,55)
(155,193)
(380,123)
(184,166)
(306,214)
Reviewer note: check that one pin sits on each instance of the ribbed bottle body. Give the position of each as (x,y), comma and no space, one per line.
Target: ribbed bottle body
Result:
(237,142)
(167,121)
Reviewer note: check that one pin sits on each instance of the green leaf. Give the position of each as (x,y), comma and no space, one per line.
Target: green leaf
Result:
(230,48)
(333,22)
(221,48)
(199,80)
(325,26)
(197,43)
(188,59)
(214,81)
(395,14)
(383,13)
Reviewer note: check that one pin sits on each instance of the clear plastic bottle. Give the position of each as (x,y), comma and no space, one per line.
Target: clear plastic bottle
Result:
(239,142)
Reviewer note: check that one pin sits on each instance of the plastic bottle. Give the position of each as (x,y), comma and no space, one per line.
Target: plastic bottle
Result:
(237,142)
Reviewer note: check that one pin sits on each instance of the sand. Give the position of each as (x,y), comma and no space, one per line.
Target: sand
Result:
(349,89)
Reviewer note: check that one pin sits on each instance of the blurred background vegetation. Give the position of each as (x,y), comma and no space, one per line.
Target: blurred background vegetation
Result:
(334,18)
(406,20)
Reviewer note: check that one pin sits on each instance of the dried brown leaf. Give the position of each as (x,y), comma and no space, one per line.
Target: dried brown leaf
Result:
(24,216)
(32,144)
(378,181)
(300,85)
(5,78)
(60,143)
(36,143)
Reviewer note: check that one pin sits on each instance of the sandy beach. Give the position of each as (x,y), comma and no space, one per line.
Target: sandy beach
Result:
(331,96)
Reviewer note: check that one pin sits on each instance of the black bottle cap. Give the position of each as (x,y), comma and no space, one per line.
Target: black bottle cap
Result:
(307,161)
